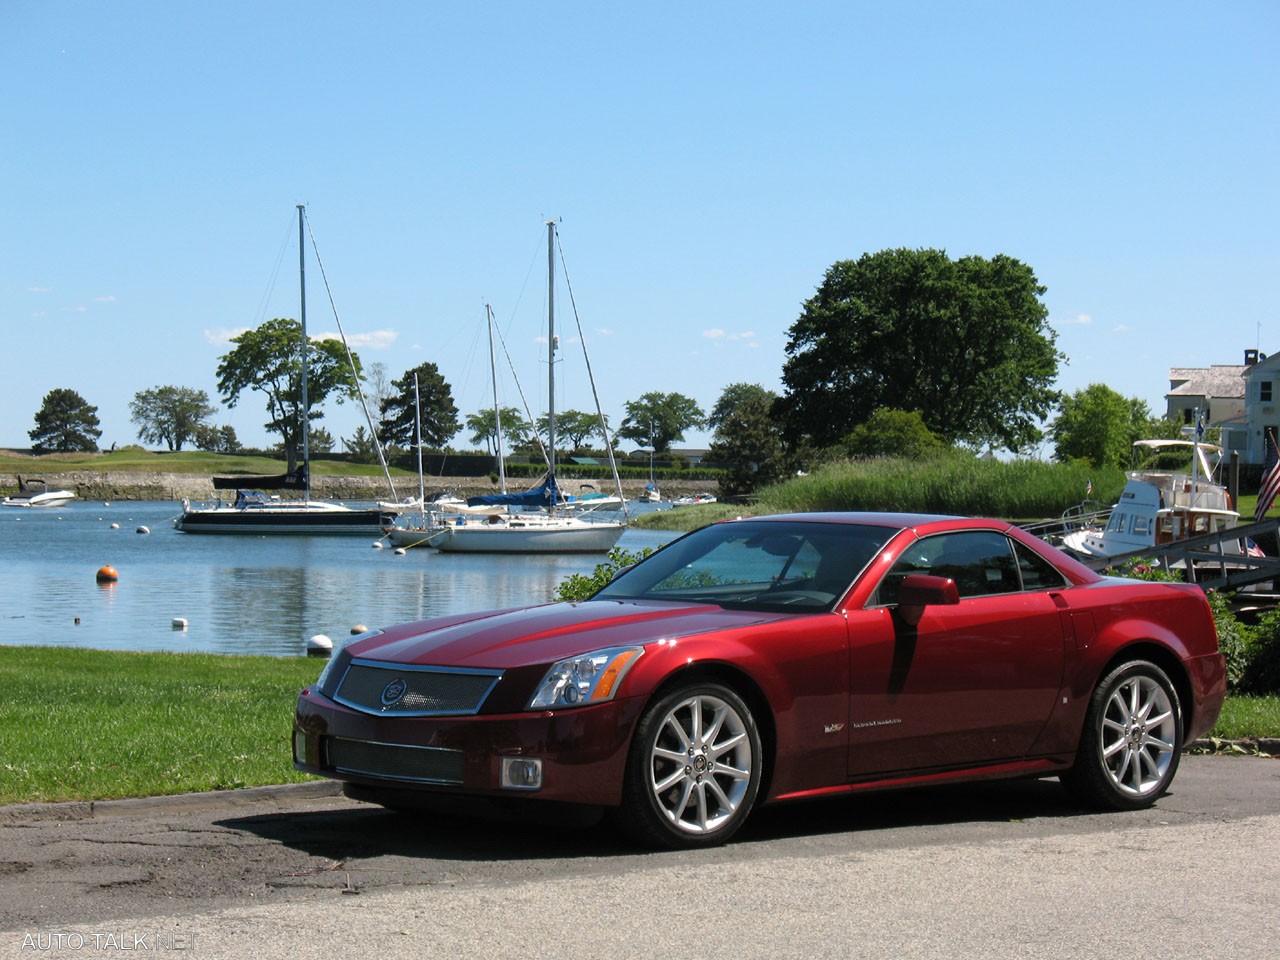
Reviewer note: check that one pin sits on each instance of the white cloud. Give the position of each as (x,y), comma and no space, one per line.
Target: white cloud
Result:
(39,289)
(220,335)
(1079,320)
(105,298)
(716,333)
(374,340)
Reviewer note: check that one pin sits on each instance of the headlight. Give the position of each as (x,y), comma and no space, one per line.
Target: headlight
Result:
(590,678)
(338,647)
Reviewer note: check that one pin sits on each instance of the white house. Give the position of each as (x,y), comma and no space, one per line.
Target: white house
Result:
(1243,400)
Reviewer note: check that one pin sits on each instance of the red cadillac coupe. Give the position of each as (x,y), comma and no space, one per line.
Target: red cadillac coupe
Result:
(778,658)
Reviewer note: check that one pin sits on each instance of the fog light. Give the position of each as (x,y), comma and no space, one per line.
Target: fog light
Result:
(299,746)
(521,773)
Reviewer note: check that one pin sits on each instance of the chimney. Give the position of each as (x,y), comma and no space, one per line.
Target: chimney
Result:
(1251,357)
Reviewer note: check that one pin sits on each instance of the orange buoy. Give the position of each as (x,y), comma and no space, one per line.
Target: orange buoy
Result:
(107,574)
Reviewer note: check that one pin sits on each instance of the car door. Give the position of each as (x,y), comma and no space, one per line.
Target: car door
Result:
(972,683)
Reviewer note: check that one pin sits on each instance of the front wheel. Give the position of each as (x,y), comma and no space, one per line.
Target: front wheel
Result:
(1131,742)
(694,769)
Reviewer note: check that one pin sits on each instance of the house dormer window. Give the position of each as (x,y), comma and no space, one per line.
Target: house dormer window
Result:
(1264,391)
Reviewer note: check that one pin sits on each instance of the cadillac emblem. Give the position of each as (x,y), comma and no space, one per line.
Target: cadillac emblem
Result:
(394,692)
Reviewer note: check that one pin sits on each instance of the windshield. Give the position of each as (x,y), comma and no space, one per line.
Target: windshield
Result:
(755,565)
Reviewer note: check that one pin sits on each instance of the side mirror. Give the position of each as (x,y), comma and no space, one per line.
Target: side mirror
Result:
(920,590)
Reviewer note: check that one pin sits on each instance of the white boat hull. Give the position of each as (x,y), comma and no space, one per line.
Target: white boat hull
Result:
(310,518)
(49,498)
(550,535)
(1156,509)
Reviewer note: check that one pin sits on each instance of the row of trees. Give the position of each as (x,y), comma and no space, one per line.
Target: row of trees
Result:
(900,351)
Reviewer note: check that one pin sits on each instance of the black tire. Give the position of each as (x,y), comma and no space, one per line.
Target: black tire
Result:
(1131,742)
(694,769)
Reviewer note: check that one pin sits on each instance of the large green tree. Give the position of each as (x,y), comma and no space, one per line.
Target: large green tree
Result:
(484,429)
(217,439)
(269,360)
(435,400)
(1098,426)
(170,415)
(963,342)
(658,420)
(573,427)
(65,423)
(892,433)
(746,441)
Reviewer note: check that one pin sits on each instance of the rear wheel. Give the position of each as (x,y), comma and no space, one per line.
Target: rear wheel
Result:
(694,768)
(1132,739)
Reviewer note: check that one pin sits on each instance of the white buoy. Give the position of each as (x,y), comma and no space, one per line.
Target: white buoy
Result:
(179,623)
(319,646)
(377,544)
(143,530)
(358,629)
(400,551)
(115,526)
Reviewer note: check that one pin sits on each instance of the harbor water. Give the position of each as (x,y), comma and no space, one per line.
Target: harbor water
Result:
(237,594)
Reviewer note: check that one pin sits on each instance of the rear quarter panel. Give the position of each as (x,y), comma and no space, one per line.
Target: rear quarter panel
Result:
(1170,624)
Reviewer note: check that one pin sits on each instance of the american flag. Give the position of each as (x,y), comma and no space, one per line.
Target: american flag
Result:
(1270,479)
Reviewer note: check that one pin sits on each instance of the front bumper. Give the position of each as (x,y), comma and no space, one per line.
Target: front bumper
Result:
(583,751)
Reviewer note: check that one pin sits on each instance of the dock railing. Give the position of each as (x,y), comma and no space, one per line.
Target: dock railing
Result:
(1205,558)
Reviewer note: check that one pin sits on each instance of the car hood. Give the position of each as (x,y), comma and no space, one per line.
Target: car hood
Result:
(506,639)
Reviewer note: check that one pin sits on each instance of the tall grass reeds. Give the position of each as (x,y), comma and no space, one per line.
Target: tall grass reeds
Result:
(951,484)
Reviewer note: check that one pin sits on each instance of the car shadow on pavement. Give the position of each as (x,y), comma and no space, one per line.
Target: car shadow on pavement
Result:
(362,831)
(1003,801)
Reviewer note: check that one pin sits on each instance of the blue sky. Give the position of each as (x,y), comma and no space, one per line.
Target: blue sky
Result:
(708,163)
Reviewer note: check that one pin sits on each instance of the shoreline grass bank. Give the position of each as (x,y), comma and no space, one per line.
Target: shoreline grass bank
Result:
(78,724)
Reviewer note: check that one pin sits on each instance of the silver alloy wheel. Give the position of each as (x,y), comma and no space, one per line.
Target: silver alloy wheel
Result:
(700,766)
(1138,735)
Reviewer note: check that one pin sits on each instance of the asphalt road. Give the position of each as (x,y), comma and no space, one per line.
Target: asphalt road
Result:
(986,871)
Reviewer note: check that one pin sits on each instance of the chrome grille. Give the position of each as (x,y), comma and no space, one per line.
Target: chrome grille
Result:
(394,761)
(409,691)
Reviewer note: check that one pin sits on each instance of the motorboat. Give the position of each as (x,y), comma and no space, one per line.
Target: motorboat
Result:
(28,496)
(1158,507)
(692,501)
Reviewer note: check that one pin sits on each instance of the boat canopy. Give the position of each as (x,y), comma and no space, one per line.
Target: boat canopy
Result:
(540,496)
(282,481)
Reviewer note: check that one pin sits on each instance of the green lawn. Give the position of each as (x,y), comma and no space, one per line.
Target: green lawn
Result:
(195,462)
(91,724)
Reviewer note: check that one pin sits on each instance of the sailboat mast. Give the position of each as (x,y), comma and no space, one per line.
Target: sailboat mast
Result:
(551,359)
(417,436)
(302,314)
(497,409)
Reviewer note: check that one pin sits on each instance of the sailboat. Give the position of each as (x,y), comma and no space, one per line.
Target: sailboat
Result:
(539,522)
(252,511)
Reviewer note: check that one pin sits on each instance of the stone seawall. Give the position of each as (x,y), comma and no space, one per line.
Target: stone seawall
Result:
(112,486)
